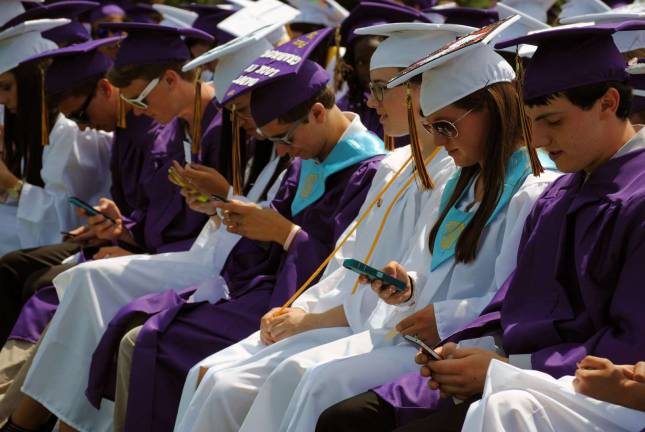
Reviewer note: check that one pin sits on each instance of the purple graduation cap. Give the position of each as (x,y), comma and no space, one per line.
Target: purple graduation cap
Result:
(75,65)
(74,32)
(465,16)
(141,13)
(104,11)
(209,17)
(153,44)
(369,13)
(282,78)
(572,56)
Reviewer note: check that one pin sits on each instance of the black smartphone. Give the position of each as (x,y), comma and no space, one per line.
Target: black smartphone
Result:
(372,274)
(418,342)
(91,211)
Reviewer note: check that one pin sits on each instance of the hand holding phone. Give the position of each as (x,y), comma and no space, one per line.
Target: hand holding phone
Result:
(372,274)
(91,211)
(426,349)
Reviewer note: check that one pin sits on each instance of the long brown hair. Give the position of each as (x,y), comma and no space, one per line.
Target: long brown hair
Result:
(501,102)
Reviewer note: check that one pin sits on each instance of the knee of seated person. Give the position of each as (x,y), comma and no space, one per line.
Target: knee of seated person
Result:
(11,257)
(128,341)
(344,413)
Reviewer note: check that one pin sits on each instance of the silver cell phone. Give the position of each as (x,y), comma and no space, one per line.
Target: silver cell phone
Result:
(418,342)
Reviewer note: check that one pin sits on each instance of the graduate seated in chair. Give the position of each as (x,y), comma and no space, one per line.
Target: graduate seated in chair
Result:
(577,287)
(601,396)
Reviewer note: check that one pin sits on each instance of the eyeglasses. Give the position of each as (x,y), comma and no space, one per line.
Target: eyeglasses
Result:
(288,136)
(80,115)
(445,127)
(139,101)
(378,90)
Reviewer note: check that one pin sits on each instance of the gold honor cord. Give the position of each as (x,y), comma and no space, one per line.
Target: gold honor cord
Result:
(405,187)
(359,221)
(197,114)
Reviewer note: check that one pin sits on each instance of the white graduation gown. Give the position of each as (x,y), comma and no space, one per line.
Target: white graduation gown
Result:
(521,400)
(254,358)
(75,163)
(304,384)
(90,296)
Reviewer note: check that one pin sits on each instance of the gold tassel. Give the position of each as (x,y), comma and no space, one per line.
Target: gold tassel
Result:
(525,122)
(44,121)
(389,142)
(235,153)
(415,145)
(197,114)
(338,81)
(121,112)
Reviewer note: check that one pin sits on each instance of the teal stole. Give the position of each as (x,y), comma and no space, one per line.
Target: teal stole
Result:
(348,151)
(517,170)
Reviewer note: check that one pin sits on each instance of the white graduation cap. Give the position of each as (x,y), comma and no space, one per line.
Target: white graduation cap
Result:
(525,25)
(408,42)
(12,8)
(20,42)
(329,13)
(534,8)
(582,7)
(258,15)
(234,57)
(459,68)
(174,16)
(624,40)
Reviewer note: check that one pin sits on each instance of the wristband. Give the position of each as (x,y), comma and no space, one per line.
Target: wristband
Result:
(14,191)
(295,229)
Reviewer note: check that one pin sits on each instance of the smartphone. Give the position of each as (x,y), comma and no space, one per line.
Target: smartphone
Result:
(91,211)
(418,342)
(371,273)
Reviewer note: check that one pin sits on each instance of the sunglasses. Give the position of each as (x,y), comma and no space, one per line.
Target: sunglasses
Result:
(139,101)
(80,115)
(445,127)
(378,90)
(287,138)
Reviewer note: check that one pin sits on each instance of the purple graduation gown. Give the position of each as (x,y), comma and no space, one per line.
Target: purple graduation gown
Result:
(259,276)
(154,210)
(577,289)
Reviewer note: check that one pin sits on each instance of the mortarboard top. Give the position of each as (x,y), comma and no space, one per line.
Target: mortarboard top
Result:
(636,80)
(534,8)
(75,65)
(625,41)
(281,78)
(521,27)
(104,11)
(153,43)
(406,43)
(73,32)
(617,3)
(258,15)
(233,57)
(10,9)
(174,16)
(141,13)
(459,69)
(573,56)
(327,13)
(369,13)
(24,40)
(573,8)
(465,16)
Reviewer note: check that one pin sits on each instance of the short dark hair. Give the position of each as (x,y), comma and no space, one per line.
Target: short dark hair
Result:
(326,97)
(123,76)
(586,96)
(86,88)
